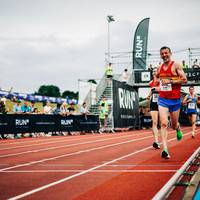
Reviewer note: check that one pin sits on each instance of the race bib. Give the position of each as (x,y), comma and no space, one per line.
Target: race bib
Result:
(191,105)
(155,98)
(167,87)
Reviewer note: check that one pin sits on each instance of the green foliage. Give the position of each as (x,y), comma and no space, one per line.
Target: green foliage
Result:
(70,94)
(49,90)
(92,81)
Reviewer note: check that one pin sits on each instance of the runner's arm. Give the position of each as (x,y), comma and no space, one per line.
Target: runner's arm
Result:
(182,77)
(185,100)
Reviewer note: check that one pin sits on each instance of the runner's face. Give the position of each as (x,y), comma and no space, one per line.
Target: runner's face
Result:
(191,90)
(154,72)
(165,55)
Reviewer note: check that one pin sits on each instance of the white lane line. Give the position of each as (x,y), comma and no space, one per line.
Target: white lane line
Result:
(146,165)
(63,146)
(120,165)
(58,138)
(94,171)
(80,173)
(74,153)
(75,175)
(44,142)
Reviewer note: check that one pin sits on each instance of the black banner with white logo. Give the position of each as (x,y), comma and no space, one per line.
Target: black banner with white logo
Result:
(193,74)
(125,105)
(13,123)
(140,45)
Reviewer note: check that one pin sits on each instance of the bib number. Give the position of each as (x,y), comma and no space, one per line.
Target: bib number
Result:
(165,88)
(191,105)
(155,98)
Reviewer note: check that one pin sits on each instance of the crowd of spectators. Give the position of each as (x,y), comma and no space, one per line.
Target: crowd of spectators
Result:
(194,64)
(25,107)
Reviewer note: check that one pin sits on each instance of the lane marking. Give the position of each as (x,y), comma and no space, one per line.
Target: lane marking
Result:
(73,176)
(74,153)
(94,171)
(44,142)
(120,165)
(67,145)
(80,173)
(69,139)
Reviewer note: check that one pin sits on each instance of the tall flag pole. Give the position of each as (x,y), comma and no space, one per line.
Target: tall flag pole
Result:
(109,20)
(140,45)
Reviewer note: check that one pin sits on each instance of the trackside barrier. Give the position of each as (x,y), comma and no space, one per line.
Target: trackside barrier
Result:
(27,123)
(162,194)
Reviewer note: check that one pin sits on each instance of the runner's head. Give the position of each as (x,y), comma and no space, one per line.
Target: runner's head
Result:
(191,89)
(154,72)
(165,54)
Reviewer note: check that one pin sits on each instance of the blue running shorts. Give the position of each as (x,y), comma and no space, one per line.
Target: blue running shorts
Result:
(171,104)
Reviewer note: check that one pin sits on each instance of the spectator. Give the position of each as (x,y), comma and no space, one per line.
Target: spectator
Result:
(150,67)
(125,76)
(32,106)
(103,114)
(64,109)
(195,64)
(3,109)
(184,65)
(84,110)
(57,109)
(47,108)
(36,111)
(25,108)
(17,107)
(109,74)
(3,99)
(71,109)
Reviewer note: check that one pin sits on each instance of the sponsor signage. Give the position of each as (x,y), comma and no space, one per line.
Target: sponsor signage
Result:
(146,76)
(140,45)
(16,123)
(125,105)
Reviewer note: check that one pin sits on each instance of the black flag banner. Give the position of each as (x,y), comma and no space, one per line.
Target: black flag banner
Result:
(140,45)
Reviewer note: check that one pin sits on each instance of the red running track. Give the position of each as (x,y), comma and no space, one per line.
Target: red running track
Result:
(107,166)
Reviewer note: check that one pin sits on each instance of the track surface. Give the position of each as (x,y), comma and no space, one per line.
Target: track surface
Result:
(107,166)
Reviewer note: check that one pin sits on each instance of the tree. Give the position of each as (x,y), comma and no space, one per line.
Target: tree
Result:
(49,90)
(92,81)
(70,94)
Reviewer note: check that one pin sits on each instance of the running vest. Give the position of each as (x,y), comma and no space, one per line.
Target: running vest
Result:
(154,92)
(191,106)
(169,91)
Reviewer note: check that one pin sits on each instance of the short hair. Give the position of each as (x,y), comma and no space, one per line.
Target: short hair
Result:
(165,47)
(191,87)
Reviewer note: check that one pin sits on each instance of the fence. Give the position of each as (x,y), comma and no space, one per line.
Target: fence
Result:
(25,123)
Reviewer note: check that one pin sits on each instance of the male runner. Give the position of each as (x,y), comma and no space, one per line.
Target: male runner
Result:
(191,100)
(171,77)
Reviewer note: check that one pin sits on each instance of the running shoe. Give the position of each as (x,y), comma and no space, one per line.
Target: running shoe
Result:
(179,134)
(193,134)
(156,145)
(165,154)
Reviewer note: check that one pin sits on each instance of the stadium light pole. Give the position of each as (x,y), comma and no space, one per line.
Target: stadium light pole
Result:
(109,20)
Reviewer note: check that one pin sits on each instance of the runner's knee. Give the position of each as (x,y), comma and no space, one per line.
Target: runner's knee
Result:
(164,124)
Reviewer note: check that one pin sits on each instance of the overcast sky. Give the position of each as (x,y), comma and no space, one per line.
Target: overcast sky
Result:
(60,41)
